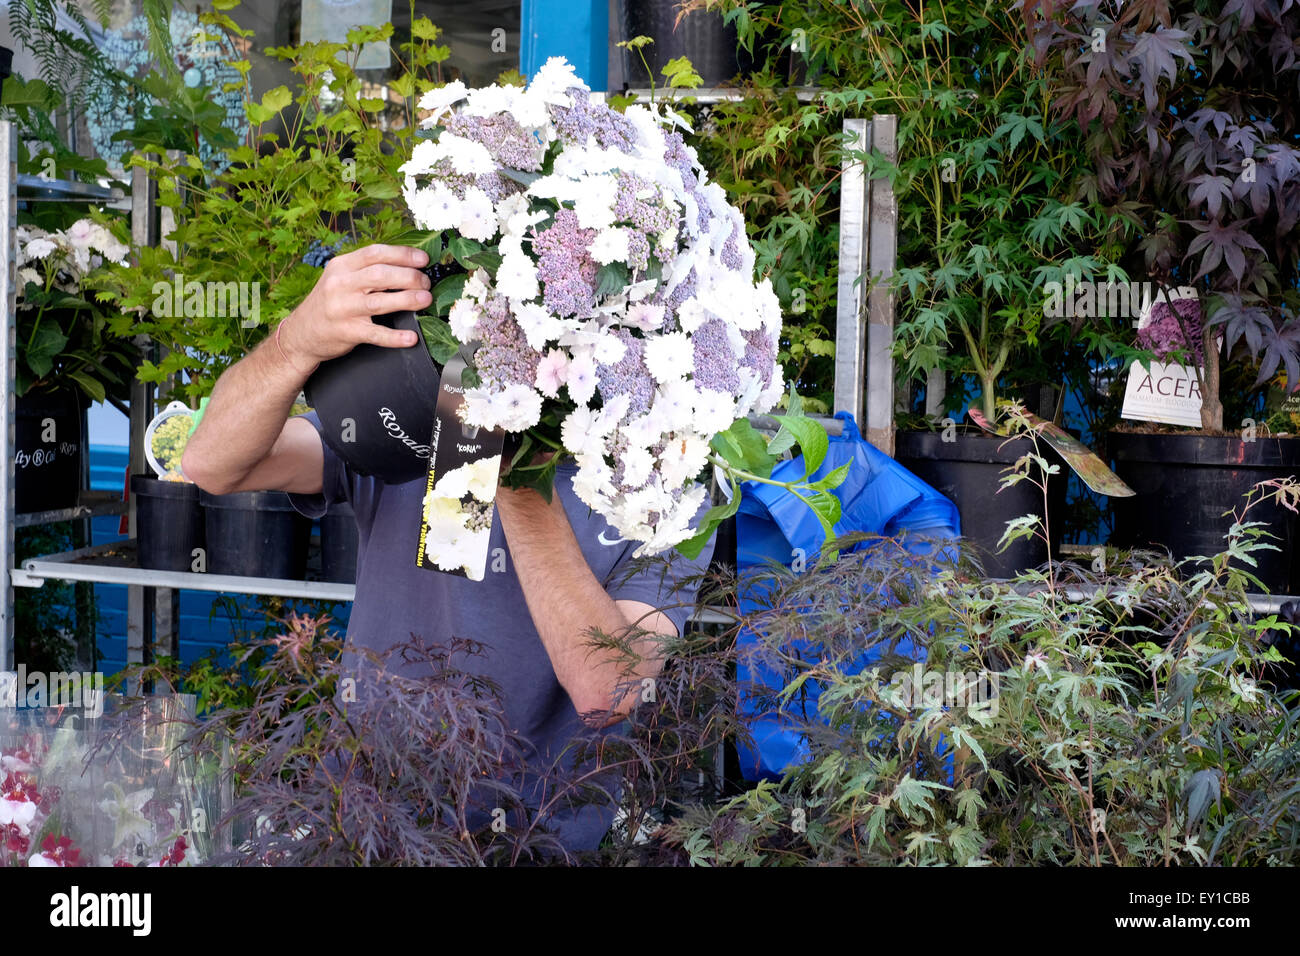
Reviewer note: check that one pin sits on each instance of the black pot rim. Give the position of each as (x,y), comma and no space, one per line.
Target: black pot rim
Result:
(1206,451)
(975,449)
(151,486)
(248,501)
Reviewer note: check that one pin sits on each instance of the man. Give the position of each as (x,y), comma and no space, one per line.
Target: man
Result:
(566,571)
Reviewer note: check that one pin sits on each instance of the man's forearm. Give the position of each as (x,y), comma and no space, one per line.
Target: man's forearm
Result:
(567,604)
(244,416)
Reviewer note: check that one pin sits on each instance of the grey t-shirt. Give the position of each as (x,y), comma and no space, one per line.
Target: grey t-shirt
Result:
(396,599)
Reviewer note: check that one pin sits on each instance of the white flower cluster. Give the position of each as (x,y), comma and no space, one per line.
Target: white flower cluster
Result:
(625,295)
(458,513)
(65,256)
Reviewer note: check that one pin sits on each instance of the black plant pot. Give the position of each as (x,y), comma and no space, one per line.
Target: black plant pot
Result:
(969,472)
(339,541)
(376,405)
(711,45)
(255,534)
(6,66)
(169,523)
(48,450)
(1185,483)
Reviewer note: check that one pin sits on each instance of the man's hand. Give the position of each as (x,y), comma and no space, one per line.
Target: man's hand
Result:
(336,315)
(244,442)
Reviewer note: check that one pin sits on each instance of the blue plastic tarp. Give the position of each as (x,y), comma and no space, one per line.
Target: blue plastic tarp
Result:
(879,497)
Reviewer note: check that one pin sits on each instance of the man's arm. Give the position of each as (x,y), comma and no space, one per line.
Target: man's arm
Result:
(245,441)
(567,603)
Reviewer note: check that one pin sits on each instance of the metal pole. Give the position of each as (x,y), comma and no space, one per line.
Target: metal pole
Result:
(883,240)
(144,232)
(850,331)
(8,347)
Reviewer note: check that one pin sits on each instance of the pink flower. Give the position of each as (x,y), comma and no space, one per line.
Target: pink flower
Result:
(19,801)
(552,372)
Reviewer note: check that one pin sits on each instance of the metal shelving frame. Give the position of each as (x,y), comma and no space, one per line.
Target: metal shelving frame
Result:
(152,596)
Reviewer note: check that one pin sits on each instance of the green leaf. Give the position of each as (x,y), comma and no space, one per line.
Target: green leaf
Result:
(448,291)
(442,345)
(92,387)
(832,480)
(827,509)
(693,545)
(612,279)
(489,259)
(811,438)
(744,448)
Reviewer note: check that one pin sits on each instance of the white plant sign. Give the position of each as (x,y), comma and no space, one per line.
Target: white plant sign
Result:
(1167,393)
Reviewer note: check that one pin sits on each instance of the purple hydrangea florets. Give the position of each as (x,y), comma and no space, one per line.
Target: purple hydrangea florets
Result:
(715,363)
(564,266)
(628,376)
(583,119)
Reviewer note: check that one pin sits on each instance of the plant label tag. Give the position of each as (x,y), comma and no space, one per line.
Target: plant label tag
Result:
(1169,394)
(460,485)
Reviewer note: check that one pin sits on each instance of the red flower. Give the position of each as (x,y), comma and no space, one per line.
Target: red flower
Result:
(20,788)
(177,855)
(60,851)
(13,840)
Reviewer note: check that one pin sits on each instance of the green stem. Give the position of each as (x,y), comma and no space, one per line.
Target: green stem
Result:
(735,472)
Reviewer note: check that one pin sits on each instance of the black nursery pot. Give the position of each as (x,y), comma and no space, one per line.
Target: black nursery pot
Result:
(969,472)
(339,541)
(376,405)
(1185,483)
(6,66)
(702,36)
(168,522)
(47,474)
(255,534)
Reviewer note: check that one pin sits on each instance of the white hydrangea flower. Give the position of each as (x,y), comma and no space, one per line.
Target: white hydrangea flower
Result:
(435,207)
(610,245)
(638,463)
(463,319)
(581,382)
(517,278)
(477,217)
(675,404)
(669,356)
(440,101)
(683,458)
(594,205)
(539,326)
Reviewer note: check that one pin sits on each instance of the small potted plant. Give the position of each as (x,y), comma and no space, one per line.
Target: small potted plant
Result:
(65,357)
(169,516)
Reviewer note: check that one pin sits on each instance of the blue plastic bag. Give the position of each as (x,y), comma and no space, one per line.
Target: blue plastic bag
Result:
(879,496)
